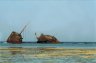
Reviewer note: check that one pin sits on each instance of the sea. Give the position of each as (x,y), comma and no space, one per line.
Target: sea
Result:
(32,52)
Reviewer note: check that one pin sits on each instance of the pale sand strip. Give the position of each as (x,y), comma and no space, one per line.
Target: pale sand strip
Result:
(52,52)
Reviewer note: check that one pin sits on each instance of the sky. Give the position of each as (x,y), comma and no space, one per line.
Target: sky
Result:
(67,20)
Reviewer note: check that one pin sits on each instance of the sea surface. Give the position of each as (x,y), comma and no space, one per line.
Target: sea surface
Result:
(65,52)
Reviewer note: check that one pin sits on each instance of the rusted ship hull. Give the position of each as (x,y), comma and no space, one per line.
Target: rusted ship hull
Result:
(15,38)
(48,42)
(47,39)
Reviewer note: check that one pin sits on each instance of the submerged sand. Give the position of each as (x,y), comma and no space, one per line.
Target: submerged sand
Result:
(48,52)
(47,55)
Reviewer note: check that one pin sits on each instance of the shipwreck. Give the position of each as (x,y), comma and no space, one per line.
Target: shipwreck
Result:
(15,37)
(46,39)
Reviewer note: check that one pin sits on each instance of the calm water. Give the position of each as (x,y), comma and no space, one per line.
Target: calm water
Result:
(67,52)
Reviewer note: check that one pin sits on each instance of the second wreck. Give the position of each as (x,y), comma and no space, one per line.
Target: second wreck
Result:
(47,39)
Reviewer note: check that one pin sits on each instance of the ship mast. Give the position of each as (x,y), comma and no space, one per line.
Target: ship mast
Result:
(36,35)
(23,28)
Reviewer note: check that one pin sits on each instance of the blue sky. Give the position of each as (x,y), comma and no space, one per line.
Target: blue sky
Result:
(68,20)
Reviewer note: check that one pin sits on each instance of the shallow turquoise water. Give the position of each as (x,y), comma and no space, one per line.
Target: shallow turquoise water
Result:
(63,45)
(47,53)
